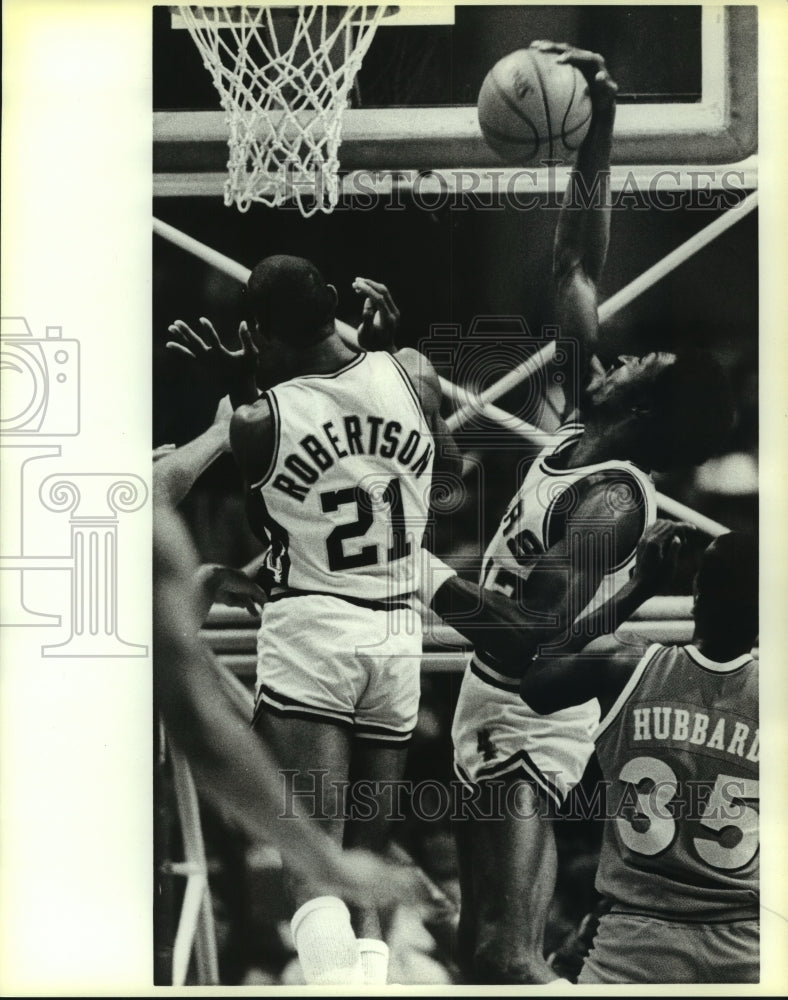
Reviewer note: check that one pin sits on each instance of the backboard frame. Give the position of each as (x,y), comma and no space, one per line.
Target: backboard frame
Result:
(190,151)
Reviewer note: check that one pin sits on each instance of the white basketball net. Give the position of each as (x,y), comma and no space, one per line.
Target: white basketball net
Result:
(284,96)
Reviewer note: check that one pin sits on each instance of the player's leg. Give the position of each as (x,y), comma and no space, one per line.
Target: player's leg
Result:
(507,846)
(315,762)
(389,647)
(568,957)
(466,926)
(379,768)
(508,872)
(307,687)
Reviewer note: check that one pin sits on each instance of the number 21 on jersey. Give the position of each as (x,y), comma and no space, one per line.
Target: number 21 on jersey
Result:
(367,555)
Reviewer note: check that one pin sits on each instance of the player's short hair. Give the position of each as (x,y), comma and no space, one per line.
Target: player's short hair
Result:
(289,299)
(691,411)
(727,586)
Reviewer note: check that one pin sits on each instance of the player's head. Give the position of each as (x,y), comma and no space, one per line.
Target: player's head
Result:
(289,301)
(726,592)
(671,410)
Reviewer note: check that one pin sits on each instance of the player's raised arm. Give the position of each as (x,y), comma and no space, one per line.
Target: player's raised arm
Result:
(253,439)
(584,222)
(175,471)
(551,682)
(379,318)
(235,370)
(424,378)
(378,332)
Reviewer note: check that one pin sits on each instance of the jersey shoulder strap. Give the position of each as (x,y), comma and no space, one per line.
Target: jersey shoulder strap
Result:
(627,691)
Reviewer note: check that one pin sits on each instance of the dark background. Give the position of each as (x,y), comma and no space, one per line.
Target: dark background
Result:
(653,53)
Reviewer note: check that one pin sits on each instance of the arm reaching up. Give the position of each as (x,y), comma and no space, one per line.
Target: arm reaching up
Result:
(448,460)
(175,470)
(235,370)
(584,223)
(379,319)
(378,332)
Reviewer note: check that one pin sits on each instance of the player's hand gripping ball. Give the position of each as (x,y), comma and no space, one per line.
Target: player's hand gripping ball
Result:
(533,107)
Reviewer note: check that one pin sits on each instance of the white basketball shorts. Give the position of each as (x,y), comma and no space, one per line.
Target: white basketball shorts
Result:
(496,735)
(345,662)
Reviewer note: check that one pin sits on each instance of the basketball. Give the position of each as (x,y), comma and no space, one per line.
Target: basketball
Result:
(533,108)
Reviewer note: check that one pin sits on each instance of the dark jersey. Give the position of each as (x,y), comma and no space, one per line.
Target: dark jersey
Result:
(679,753)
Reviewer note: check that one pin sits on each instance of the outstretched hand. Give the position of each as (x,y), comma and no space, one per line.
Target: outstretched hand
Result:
(380,316)
(658,553)
(210,353)
(602,87)
(232,587)
(370,881)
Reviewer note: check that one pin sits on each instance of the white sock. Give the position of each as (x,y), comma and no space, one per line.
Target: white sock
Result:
(325,942)
(374,961)
(557,984)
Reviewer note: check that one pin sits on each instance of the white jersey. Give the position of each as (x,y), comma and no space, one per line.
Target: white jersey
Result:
(345,502)
(536,519)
